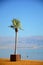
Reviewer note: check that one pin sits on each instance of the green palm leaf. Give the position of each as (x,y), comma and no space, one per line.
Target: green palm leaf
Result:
(16,24)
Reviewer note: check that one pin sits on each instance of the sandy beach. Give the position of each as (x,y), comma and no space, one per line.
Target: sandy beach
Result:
(21,62)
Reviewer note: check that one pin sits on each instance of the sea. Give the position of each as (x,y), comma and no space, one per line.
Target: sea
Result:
(30,48)
(26,53)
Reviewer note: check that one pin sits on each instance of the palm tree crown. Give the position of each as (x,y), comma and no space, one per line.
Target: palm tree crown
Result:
(16,24)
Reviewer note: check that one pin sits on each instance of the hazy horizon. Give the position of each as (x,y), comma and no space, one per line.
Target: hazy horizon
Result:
(29,42)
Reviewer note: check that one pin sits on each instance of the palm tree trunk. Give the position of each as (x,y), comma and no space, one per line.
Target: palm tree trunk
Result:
(15,41)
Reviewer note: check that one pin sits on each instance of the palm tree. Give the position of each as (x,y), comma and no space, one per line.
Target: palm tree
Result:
(16,25)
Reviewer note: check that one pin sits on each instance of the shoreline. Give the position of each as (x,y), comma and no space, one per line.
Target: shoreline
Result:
(4,61)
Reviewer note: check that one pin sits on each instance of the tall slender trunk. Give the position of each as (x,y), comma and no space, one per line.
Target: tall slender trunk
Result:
(16,36)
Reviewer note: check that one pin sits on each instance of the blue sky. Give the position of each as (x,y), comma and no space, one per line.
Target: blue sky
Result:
(29,12)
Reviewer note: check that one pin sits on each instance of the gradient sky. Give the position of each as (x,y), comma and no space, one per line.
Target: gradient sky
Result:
(29,12)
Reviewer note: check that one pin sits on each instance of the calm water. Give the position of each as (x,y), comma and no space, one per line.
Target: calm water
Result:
(27,54)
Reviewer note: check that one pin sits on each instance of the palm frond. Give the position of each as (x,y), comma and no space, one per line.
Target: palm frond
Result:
(16,23)
(11,26)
